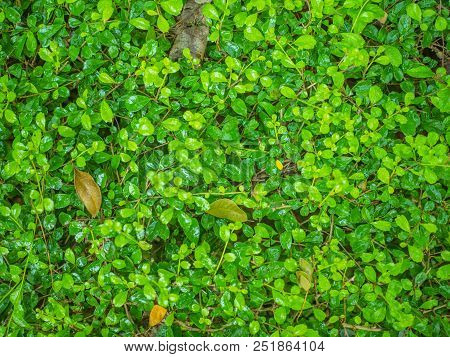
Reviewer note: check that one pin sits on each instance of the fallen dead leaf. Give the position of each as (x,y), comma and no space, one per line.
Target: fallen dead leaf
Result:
(156,315)
(88,191)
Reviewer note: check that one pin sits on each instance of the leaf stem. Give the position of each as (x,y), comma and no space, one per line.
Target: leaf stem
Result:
(221,258)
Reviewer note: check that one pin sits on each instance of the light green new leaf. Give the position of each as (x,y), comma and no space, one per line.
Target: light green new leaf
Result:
(210,11)
(414,11)
(395,57)
(173,7)
(383,175)
(382,225)
(443,272)
(163,24)
(305,42)
(287,92)
(415,253)
(140,23)
(106,112)
(403,223)
(106,78)
(253,34)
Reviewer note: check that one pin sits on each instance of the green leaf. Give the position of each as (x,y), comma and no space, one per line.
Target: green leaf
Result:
(12,15)
(287,92)
(145,127)
(413,10)
(226,208)
(10,116)
(375,312)
(382,225)
(319,315)
(210,11)
(254,327)
(324,283)
(280,314)
(140,23)
(375,94)
(395,57)
(120,298)
(218,77)
(69,256)
(440,24)
(415,253)
(134,103)
(253,34)
(383,175)
(370,274)
(305,42)
(166,216)
(403,223)
(430,176)
(105,7)
(286,240)
(172,124)
(430,227)
(45,55)
(173,7)
(106,112)
(443,272)
(106,78)
(66,132)
(162,24)
(238,105)
(420,72)
(31,42)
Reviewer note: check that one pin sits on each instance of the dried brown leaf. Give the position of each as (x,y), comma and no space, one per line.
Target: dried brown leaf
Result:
(156,315)
(88,191)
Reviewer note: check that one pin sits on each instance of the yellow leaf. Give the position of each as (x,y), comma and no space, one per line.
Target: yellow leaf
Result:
(225,208)
(306,267)
(303,280)
(88,191)
(304,276)
(156,315)
(279,165)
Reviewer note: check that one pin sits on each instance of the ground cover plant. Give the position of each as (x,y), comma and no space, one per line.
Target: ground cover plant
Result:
(286,176)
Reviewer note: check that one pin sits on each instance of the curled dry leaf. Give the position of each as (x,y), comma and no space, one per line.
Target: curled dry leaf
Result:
(156,315)
(88,191)
(225,208)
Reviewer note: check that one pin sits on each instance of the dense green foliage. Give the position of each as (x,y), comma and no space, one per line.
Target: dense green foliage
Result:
(325,121)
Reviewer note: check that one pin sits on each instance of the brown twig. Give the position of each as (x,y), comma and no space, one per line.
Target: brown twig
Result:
(362,328)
